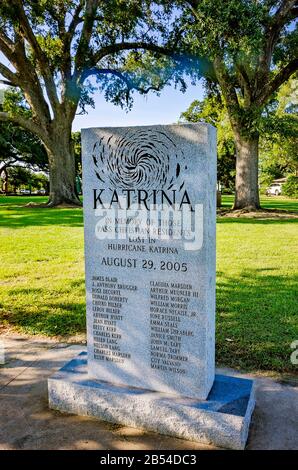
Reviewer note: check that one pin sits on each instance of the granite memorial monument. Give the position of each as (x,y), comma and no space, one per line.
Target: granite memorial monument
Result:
(149,217)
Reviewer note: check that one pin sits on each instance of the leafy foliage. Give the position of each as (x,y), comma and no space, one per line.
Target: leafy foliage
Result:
(253,49)
(278,129)
(279,143)
(19,176)
(64,51)
(60,53)
(213,111)
(290,188)
(76,138)
(18,145)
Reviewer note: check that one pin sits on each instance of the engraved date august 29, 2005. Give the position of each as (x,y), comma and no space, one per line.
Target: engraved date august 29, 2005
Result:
(148,264)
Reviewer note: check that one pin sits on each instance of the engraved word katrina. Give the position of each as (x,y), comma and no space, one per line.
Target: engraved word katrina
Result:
(142,171)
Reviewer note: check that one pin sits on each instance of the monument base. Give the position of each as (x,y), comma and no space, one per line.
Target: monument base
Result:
(222,420)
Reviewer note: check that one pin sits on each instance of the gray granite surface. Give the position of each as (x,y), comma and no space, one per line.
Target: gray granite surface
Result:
(222,420)
(151,291)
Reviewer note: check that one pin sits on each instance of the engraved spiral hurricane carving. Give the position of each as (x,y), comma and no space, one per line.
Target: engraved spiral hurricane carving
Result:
(139,159)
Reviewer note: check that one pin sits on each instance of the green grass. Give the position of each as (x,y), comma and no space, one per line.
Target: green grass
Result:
(42,279)
(41,273)
(272,202)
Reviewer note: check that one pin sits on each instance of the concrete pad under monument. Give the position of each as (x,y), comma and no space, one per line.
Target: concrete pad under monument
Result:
(149,217)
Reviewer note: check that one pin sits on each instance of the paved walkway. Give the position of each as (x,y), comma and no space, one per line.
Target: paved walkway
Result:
(26,422)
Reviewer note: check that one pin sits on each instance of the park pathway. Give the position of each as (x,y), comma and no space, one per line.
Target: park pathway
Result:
(26,422)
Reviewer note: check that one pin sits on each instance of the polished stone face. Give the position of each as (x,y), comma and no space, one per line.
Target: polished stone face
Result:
(149,211)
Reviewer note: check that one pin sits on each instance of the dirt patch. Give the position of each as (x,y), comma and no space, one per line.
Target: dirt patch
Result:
(35,205)
(11,331)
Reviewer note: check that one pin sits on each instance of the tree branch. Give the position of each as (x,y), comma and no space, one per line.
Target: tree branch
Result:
(130,83)
(124,46)
(25,77)
(6,82)
(283,11)
(271,34)
(228,90)
(40,56)
(23,122)
(58,16)
(9,75)
(90,11)
(28,80)
(7,164)
(281,77)
(6,40)
(5,49)
(244,82)
(76,19)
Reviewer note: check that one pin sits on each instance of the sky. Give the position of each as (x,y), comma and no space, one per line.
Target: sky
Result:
(147,110)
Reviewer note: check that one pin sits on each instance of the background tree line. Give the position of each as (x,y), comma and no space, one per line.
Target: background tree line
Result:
(278,135)
(244,50)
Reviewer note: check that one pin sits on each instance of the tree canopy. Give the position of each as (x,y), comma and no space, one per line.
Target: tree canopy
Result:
(252,48)
(243,48)
(52,49)
(20,146)
(213,110)
(278,128)
(279,142)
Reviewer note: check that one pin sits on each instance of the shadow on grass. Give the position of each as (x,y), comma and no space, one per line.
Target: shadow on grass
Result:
(15,214)
(256,320)
(21,200)
(52,317)
(280,204)
(247,220)
(20,217)
(273,202)
(69,319)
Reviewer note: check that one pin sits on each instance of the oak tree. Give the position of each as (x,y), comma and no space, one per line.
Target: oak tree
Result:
(252,47)
(50,49)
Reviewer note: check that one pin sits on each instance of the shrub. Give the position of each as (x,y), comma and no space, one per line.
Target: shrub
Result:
(290,188)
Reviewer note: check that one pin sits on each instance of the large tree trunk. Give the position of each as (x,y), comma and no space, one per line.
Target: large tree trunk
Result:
(246,187)
(62,167)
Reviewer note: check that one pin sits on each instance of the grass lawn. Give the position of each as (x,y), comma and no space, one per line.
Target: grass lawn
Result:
(268,202)
(42,279)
